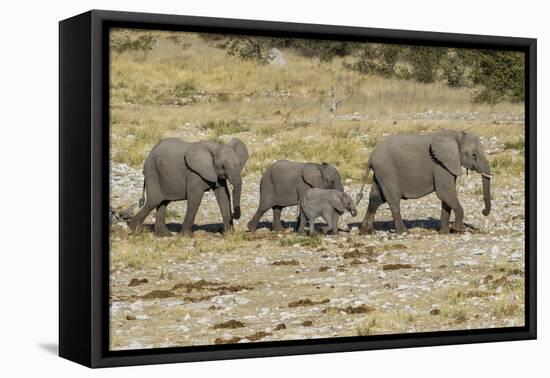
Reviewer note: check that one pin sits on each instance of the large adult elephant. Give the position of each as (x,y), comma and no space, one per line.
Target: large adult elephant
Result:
(176,170)
(408,166)
(284,183)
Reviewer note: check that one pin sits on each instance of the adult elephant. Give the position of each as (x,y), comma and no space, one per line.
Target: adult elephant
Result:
(410,166)
(284,183)
(176,170)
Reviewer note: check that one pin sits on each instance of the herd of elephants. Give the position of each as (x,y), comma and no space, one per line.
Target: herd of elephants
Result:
(405,166)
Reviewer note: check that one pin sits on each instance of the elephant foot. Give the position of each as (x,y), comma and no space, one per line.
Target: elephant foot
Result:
(277,228)
(401,230)
(328,231)
(444,231)
(162,232)
(228,229)
(186,232)
(133,225)
(458,229)
(251,227)
(366,231)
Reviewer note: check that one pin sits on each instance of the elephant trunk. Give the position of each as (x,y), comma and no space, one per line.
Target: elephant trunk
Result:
(486,194)
(485,172)
(237,188)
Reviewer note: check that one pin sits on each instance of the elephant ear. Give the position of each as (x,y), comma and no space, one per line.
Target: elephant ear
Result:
(200,160)
(312,175)
(240,149)
(337,202)
(445,150)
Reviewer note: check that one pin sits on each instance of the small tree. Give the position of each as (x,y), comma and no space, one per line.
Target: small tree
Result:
(248,48)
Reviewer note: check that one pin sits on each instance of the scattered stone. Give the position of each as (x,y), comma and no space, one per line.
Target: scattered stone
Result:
(307,323)
(323,269)
(280,326)
(275,57)
(130,317)
(435,312)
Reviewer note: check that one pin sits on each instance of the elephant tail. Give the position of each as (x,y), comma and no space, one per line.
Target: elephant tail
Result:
(365,177)
(142,199)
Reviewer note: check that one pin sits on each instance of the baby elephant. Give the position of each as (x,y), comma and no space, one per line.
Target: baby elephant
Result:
(326,203)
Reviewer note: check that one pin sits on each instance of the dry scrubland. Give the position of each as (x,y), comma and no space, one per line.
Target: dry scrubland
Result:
(261,287)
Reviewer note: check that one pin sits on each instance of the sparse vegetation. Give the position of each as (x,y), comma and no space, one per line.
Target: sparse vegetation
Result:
(169,89)
(225,127)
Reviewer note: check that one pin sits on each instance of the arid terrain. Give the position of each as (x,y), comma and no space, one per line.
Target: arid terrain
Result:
(264,286)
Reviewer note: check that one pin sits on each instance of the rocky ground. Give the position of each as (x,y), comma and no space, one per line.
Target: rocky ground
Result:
(265,286)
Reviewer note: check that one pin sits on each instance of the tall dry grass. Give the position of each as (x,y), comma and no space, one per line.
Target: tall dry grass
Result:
(195,91)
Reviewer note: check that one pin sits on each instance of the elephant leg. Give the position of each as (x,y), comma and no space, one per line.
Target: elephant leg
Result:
(445,215)
(160,222)
(335,218)
(311,222)
(395,208)
(375,200)
(193,202)
(329,219)
(301,221)
(222,196)
(253,224)
(445,188)
(137,220)
(392,194)
(277,226)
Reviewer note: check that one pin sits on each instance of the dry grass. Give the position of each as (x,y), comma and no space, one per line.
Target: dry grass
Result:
(174,91)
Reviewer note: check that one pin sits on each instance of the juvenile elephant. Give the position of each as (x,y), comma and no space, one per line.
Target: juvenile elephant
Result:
(176,170)
(410,166)
(326,203)
(284,183)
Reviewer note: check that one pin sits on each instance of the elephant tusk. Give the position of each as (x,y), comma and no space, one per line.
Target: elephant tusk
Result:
(230,186)
(486,175)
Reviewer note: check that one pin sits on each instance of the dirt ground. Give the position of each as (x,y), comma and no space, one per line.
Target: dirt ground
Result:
(269,286)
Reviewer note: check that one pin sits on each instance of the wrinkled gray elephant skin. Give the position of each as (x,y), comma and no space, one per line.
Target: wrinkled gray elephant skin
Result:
(408,166)
(176,170)
(284,183)
(328,204)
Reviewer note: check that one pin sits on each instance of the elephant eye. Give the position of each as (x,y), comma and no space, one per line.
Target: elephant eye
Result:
(474,155)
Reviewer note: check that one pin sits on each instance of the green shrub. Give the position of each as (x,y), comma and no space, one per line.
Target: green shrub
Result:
(424,62)
(500,74)
(378,59)
(131,40)
(454,72)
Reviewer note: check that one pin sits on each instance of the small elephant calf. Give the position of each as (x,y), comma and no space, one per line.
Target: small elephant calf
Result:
(326,203)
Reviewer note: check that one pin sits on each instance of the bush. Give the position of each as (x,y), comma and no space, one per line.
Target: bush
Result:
(423,62)
(248,48)
(500,74)
(454,72)
(378,59)
(129,40)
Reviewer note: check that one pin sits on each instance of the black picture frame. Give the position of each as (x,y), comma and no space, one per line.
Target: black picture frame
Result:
(84,191)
